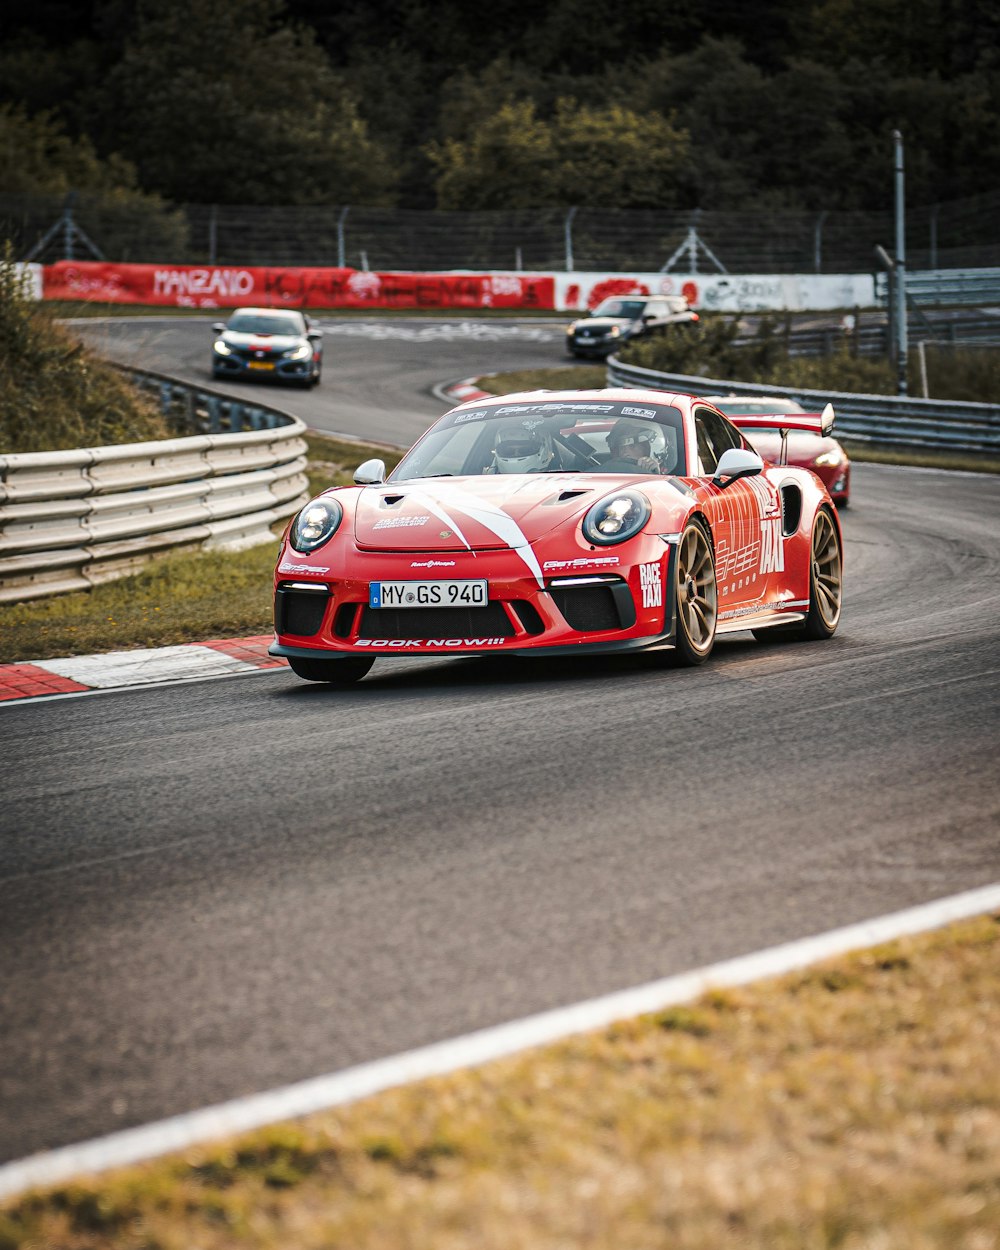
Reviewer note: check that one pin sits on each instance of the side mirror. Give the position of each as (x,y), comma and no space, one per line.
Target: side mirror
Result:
(735,463)
(218,326)
(370,473)
(314,335)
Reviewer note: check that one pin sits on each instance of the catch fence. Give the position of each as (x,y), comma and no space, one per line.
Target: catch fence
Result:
(959,234)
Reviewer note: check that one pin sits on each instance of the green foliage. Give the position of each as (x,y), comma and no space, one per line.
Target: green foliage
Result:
(786,104)
(54,395)
(38,157)
(583,155)
(223,103)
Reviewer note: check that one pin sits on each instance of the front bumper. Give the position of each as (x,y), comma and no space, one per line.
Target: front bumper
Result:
(629,609)
(239,367)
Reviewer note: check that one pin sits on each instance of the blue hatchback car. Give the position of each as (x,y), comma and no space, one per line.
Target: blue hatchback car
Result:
(268,343)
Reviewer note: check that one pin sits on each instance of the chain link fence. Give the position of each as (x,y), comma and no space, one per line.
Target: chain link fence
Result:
(959,234)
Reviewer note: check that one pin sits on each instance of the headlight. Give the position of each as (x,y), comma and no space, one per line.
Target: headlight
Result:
(315,525)
(828,459)
(221,348)
(299,353)
(617,518)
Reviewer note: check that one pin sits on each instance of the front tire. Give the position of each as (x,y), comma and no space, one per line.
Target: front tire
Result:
(334,672)
(696,596)
(826,587)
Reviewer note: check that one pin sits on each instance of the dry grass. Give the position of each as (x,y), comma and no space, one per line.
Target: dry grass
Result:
(856,1106)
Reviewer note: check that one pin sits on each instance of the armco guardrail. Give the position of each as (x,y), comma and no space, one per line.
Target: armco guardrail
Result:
(880,420)
(72,519)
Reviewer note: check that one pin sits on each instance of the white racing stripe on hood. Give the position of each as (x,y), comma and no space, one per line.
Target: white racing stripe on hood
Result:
(488,515)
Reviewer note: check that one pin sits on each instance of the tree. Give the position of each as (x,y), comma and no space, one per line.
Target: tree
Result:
(218,101)
(40,164)
(583,156)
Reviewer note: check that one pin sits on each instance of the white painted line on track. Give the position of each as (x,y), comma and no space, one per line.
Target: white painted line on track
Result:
(317,1094)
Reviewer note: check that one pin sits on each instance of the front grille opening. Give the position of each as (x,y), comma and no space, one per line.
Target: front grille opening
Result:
(299,611)
(590,609)
(344,618)
(527,614)
(491,622)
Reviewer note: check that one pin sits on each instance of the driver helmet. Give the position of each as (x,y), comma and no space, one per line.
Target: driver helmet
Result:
(522,451)
(626,433)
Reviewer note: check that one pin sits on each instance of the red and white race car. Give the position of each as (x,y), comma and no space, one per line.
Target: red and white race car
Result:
(561,522)
(819,452)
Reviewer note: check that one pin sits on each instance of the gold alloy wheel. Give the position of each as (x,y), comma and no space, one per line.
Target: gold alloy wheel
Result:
(697,594)
(827,581)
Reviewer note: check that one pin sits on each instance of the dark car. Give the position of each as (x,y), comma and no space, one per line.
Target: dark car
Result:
(615,321)
(821,453)
(268,343)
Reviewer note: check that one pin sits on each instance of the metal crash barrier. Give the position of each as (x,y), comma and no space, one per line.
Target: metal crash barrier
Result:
(878,420)
(72,519)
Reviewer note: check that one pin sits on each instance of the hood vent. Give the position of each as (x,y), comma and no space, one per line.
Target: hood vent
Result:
(392,500)
(573,493)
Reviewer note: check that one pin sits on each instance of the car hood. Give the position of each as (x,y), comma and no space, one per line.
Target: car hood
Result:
(603,324)
(262,342)
(479,513)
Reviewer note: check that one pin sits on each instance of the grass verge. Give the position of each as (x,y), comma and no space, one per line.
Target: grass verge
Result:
(855,1105)
(182,597)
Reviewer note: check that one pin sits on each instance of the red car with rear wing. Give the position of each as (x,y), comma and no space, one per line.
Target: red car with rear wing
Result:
(560,522)
(757,418)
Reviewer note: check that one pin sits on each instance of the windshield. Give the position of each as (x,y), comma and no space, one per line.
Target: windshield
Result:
(631,308)
(741,407)
(554,436)
(265,323)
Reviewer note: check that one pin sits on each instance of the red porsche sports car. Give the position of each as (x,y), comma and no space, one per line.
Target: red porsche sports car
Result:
(561,522)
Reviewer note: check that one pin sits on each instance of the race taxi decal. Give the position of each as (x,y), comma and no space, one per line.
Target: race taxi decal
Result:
(750,513)
(651,583)
(489,516)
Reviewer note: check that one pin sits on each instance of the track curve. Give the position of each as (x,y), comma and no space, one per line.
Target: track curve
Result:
(215,888)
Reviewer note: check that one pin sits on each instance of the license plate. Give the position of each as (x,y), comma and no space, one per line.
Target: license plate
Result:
(260,364)
(436,594)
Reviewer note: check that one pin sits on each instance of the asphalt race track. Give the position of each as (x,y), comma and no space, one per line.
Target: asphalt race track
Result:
(215,888)
(378,375)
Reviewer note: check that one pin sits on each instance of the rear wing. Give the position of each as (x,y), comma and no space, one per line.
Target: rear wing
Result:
(784,422)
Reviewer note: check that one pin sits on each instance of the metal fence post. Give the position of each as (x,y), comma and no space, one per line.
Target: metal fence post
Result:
(899,271)
(569,240)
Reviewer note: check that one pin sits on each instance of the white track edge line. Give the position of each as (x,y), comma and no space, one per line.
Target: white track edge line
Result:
(336,1089)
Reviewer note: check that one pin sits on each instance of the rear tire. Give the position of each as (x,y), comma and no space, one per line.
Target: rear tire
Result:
(334,672)
(696,596)
(826,587)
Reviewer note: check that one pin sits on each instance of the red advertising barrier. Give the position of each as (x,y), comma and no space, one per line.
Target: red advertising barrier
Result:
(221,286)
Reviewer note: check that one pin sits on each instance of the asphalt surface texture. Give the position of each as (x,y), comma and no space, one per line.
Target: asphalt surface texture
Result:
(216,888)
